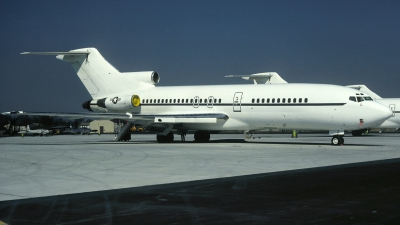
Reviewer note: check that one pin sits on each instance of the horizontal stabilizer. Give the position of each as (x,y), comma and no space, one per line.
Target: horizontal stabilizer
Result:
(56,53)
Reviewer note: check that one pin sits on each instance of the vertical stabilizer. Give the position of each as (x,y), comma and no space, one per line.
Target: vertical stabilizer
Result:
(100,78)
(95,72)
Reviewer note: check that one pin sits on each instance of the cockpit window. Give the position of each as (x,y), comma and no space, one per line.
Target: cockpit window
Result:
(367,98)
(360,99)
(352,98)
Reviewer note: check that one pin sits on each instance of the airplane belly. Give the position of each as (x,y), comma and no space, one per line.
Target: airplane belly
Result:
(291,118)
(230,124)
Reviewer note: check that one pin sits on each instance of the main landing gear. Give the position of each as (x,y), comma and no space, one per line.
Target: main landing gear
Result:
(169,138)
(199,136)
(337,140)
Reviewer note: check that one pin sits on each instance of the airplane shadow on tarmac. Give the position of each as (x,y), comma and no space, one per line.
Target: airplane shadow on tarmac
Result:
(358,193)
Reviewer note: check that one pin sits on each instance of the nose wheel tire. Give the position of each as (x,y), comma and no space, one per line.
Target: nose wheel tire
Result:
(337,140)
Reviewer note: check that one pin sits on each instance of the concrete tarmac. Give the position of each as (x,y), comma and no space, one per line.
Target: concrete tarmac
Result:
(111,181)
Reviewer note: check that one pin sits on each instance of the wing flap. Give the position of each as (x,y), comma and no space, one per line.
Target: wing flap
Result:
(184,120)
(157,118)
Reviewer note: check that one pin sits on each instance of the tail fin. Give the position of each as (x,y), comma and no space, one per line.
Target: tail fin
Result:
(100,78)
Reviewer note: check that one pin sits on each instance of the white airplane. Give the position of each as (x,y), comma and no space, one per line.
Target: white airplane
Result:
(133,97)
(40,132)
(393,121)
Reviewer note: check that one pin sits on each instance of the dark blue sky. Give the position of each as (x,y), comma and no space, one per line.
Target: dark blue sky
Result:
(196,42)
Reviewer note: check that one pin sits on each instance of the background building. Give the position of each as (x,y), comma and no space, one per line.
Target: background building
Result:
(103,126)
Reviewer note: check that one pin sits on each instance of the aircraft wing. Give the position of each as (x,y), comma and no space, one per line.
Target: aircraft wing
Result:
(156,118)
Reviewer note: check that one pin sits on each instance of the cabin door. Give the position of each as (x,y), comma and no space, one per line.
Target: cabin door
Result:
(210,102)
(237,102)
(196,101)
(393,108)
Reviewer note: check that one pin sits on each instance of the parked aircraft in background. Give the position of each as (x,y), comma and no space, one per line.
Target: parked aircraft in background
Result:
(72,130)
(39,132)
(133,97)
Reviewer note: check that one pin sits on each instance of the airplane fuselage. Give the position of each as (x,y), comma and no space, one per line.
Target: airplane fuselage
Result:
(255,107)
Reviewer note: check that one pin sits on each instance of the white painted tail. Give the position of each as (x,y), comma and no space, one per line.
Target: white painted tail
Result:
(100,78)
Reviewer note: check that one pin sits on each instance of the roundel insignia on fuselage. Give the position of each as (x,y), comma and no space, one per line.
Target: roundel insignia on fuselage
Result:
(115,100)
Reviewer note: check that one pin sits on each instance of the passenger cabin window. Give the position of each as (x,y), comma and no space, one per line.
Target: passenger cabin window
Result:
(294,100)
(201,100)
(258,100)
(288,100)
(283,100)
(252,100)
(273,100)
(219,100)
(300,100)
(278,100)
(267,100)
(262,101)
(305,100)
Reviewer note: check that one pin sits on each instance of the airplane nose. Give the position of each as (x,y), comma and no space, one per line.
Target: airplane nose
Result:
(379,113)
(384,112)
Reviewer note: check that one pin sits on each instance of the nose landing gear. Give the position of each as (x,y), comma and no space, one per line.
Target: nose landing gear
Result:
(337,140)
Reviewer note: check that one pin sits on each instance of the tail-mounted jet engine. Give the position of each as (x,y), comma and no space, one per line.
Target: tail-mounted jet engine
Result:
(116,103)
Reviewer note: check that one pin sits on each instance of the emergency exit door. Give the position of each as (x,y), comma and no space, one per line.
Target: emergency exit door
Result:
(237,102)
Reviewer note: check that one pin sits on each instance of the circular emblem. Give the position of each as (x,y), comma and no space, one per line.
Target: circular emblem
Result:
(115,100)
(135,100)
